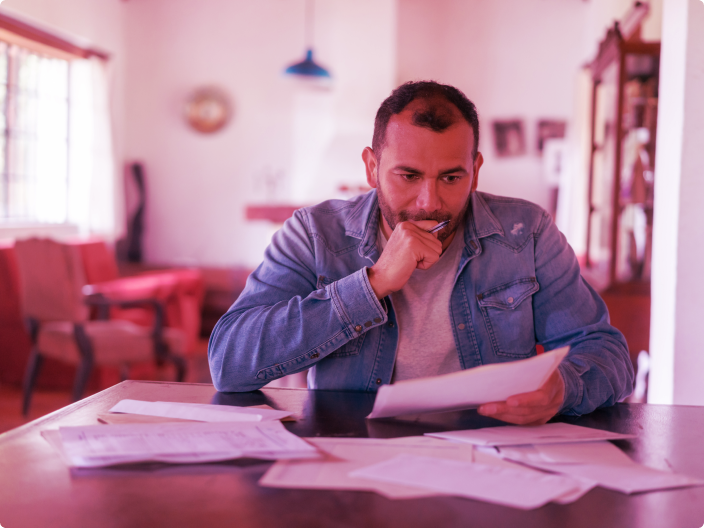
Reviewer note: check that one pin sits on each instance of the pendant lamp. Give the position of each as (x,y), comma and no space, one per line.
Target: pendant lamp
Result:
(308,68)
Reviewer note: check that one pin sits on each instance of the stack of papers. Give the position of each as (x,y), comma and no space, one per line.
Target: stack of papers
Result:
(344,455)
(199,412)
(521,435)
(415,467)
(579,452)
(513,487)
(466,389)
(180,443)
(520,467)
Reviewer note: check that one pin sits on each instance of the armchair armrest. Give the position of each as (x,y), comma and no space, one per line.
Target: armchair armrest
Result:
(139,287)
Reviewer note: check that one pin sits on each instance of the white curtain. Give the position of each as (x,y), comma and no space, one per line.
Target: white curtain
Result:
(92,179)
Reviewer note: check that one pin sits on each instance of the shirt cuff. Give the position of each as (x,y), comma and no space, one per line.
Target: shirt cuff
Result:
(574,387)
(356,303)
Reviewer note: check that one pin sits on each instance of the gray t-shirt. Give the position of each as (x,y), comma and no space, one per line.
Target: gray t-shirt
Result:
(426,344)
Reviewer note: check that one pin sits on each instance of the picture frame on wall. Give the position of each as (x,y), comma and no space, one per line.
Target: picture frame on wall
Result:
(509,138)
(550,129)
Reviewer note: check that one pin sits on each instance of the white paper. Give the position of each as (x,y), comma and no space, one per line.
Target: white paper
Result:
(344,455)
(541,434)
(491,483)
(99,445)
(626,478)
(491,455)
(466,389)
(200,412)
(600,463)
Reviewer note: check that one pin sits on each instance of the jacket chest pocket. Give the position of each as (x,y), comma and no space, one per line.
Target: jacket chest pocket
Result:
(351,348)
(508,315)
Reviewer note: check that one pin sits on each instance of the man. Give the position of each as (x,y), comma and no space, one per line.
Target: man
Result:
(359,292)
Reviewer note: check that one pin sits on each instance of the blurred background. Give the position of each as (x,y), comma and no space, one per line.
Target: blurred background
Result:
(160,144)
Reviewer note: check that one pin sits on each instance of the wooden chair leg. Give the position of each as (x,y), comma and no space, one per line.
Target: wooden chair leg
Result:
(85,348)
(82,376)
(180,365)
(30,377)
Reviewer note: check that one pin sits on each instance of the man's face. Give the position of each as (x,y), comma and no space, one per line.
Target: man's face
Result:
(424,175)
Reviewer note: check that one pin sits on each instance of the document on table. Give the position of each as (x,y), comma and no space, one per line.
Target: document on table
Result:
(99,445)
(343,455)
(602,463)
(200,412)
(466,389)
(500,485)
(541,434)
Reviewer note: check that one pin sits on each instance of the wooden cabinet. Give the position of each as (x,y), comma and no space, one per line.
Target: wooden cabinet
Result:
(623,129)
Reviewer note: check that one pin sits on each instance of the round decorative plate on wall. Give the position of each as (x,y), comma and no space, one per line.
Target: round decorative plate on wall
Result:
(208,110)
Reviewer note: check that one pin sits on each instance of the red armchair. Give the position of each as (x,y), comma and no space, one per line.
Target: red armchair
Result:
(179,290)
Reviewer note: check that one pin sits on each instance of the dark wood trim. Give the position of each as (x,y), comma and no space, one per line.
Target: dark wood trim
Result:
(590,191)
(30,32)
(616,198)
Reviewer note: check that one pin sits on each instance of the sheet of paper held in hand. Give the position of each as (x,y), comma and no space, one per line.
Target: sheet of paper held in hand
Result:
(200,412)
(99,445)
(466,389)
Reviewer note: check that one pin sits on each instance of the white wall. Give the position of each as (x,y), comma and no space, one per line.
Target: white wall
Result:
(198,184)
(512,58)
(677,283)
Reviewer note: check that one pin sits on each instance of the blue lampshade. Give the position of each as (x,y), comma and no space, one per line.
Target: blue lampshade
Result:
(307,67)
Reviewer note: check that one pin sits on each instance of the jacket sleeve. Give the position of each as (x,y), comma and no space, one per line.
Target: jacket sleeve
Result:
(567,311)
(283,322)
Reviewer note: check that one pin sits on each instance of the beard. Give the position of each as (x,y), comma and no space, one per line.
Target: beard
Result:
(394,217)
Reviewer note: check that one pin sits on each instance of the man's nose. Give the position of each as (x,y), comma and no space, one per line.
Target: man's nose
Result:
(428,198)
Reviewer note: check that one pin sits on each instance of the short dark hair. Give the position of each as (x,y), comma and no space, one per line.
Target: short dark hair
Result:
(435,117)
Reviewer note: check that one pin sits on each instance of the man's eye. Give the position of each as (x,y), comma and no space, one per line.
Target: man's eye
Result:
(409,177)
(451,178)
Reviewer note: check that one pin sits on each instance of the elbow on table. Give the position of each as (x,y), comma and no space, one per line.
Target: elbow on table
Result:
(228,372)
(234,381)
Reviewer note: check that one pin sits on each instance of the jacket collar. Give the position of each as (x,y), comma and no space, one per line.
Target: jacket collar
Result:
(363,223)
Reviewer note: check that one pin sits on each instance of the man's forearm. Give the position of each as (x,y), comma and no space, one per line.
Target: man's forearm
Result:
(256,343)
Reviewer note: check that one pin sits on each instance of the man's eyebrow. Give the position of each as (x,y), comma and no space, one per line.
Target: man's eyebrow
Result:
(405,168)
(453,170)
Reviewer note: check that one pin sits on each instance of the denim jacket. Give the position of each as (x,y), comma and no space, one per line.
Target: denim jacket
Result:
(309,305)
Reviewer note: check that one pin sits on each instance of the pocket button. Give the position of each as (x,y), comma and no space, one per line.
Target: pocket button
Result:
(460,326)
(358,328)
(510,300)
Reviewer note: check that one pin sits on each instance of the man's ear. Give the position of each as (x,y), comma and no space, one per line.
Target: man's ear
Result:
(370,162)
(478,162)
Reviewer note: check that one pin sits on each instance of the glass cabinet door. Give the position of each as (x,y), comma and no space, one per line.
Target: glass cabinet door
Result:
(602,188)
(635,204)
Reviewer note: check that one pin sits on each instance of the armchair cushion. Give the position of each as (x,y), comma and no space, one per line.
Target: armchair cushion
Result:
(114,342)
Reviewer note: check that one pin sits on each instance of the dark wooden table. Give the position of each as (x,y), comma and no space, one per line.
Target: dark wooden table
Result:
(38,490)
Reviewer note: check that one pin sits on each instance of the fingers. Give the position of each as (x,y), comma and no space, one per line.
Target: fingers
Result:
(529,399)
(518,415)
(408,249)
(529,408)
(425,225)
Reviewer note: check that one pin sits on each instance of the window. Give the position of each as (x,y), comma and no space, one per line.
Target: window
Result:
(56,162)
(34,136)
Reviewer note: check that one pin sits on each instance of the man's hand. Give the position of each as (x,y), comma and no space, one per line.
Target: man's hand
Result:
(530,408)
(410,247)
